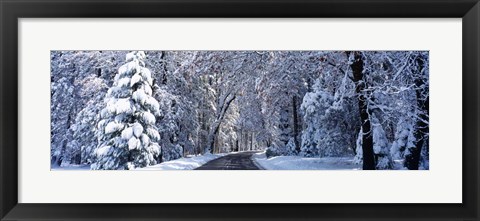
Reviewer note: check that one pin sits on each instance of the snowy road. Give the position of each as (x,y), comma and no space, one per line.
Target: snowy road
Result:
(235,161)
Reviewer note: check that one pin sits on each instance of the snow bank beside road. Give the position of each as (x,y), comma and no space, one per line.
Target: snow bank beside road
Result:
(188,163)
(304,163)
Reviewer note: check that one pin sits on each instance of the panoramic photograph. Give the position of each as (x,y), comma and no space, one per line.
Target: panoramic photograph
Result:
(239,110)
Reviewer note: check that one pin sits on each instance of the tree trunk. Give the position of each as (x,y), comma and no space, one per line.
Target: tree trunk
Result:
(412,160)
(164,76)
(240,142)
(248,140)
(245,146)
(284,125)
(212,137)
(251,141)
(219,118)
(295,123)
(360,85)
(217,142)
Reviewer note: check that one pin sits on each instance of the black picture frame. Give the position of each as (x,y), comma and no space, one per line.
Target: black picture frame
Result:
(12,10)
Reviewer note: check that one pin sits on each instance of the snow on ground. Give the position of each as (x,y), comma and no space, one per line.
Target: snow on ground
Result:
(304,163)
(71,167)
(187,163)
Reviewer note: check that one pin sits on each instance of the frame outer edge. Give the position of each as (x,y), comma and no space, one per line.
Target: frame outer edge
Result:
(476,152)
(477,214)
(3,208)
(8,102)
(2,203)
(9,109)
(242,8)
(471,112)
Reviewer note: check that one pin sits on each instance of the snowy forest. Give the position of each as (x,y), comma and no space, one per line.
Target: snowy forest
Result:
(299,110)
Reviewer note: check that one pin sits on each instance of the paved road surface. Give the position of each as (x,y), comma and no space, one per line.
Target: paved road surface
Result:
(234,161)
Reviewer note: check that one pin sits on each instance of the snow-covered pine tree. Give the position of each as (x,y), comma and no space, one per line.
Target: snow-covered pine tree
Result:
(179,106)
(127,133)
(358,159)
(291,147)
(329,119)
(84,142)
(78,88)
(313,107)
(403,138)
(380,146)
(62,106)
(62,117)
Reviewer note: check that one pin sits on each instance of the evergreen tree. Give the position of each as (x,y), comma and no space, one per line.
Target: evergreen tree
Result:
(314,107)
(81,148)
(127,133)
(329,123)
(62,107)
(380,146)
(403,138)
